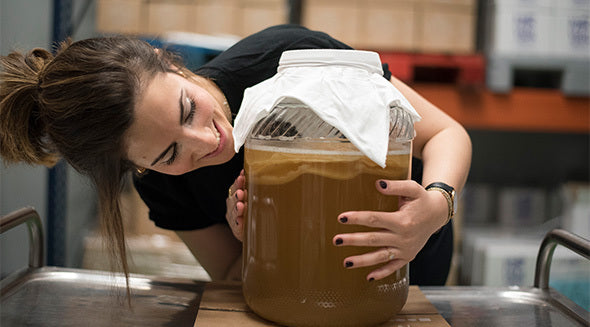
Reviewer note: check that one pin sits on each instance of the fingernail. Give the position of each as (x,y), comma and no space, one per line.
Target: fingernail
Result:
(383,184)
(343,219)
(338,241)
(348,264)
(371,279)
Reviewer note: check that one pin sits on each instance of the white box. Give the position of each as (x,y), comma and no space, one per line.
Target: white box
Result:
(497,257)
(513,261)
(522,206)
(576,208)
(522,3)
(571,33)
(521,30)
(571,4)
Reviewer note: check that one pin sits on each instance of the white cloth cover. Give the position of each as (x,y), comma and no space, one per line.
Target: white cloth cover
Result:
(345,88)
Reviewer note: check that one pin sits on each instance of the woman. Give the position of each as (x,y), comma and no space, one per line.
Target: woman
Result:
(114,105)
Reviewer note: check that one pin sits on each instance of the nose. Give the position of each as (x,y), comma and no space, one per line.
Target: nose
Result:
(200,141)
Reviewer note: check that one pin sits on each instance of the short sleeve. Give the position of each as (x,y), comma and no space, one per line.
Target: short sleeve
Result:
(190,201)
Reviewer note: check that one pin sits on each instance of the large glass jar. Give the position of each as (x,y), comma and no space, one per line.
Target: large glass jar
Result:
(301,173)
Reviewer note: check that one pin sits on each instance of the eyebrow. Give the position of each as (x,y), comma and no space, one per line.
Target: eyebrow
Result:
(181,106)
(174,143)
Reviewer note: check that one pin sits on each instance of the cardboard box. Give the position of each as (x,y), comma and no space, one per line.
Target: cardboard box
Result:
(339,18)
(223,304)
(387,25)
(216,17)
(165,16)
(121,16)
(446,26)
(259,14)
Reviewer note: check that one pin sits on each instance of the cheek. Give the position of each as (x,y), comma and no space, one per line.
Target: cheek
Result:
(178,168)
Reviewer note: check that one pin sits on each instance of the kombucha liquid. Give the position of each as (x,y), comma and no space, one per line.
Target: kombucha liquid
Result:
(292,273)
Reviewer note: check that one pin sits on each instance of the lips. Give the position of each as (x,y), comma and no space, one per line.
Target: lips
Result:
(220,137)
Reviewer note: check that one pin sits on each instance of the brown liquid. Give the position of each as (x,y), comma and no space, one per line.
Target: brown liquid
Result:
(293,274)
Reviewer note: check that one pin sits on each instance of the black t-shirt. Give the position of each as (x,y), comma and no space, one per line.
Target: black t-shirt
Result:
(197,199)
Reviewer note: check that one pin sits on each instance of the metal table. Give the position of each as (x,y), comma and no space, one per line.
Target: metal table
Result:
(50,296)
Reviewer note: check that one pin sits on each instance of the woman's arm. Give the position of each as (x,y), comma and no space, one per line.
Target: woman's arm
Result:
(443,144)
(445,149)
(219,247)
(217,250)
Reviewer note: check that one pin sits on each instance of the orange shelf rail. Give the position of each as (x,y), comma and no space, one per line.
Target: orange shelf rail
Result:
(523,109)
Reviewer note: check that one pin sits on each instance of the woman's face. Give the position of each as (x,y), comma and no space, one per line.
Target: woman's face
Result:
(178,127)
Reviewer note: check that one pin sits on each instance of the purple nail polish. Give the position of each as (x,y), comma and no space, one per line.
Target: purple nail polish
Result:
(338,241)
(383,184)
(371,279)
(343,219)
(348,264)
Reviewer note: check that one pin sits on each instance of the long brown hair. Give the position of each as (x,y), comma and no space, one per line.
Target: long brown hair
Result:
(78,105)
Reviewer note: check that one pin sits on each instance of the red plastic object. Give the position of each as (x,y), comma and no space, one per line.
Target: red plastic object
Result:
(464,69)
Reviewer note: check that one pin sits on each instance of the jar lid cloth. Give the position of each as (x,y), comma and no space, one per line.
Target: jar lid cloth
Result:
(345,88)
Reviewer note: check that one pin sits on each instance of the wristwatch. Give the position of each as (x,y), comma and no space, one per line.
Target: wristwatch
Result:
(449,193)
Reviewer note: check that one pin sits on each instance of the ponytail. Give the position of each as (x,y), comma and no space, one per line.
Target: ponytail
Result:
(23,134)
(78,105)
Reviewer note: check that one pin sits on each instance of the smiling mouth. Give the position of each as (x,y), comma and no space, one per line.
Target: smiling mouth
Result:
(219,138)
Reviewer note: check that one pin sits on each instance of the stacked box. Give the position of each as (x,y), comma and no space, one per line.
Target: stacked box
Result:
(121,16)
(548,37)
(446,26)
(216,17)
(163,16)
(339,18)
(212,17)
(500,257)
(571,33)
(538,27)
(387,25)
(259,14)
(518,27)
(522,206)
(442,26)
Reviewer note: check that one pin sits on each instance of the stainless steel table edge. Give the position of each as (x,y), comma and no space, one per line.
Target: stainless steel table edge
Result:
(504,306)
(55,296)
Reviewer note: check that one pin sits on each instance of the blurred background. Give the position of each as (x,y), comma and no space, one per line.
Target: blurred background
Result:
(516,74)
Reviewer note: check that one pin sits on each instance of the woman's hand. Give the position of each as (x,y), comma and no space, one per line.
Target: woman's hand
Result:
(403,233)
(236,206)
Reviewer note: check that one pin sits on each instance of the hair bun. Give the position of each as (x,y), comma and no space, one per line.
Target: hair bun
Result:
(37,59)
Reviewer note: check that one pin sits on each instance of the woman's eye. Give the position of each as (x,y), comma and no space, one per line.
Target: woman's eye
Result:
(191,112)
(172,157)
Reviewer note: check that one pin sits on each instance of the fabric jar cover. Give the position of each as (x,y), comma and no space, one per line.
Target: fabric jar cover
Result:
(345,88)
